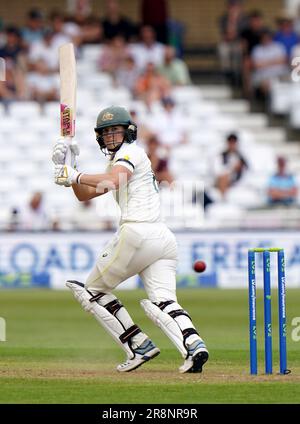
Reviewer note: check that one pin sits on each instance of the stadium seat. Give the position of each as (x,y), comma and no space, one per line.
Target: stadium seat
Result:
(91,52)
(25,110)
(281,95)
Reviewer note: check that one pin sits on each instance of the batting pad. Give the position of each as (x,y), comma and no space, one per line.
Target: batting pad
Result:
(106,319)
(166,323)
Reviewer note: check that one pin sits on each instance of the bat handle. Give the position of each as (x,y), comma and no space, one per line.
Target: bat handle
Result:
(68,160)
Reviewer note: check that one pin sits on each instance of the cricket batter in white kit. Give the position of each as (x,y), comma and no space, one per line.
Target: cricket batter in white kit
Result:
(142,245)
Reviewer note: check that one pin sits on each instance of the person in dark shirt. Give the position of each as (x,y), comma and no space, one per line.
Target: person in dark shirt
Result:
(231,165)
(13,46)
(12,52)
(250,38)
(155,14)
(114,23)
(250,35)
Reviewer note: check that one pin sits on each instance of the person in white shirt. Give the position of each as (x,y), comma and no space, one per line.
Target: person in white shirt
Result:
(142,245)
(34,216)
(43,76)
(269,62)
(148,50)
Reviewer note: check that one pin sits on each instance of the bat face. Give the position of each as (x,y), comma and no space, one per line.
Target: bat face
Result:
(67,70)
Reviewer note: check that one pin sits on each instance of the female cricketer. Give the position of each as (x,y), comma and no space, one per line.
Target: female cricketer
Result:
(142,245)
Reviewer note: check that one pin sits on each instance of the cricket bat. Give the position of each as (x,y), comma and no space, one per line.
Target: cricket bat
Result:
(68,84)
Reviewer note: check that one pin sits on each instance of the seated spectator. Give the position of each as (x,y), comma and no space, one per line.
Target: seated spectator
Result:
(91,30)
(64,33)
(168,124)
(250,37)
(34,29)
(286,34)
(229,49)
(86,218)
(114,23)
(148,49)
(296,20)
(34,216)
(158,160)
(14,86)
(14,223)
(113,55)
(269,62)
(282,188)
(127,73)
(43,78)
(2,34)
(151,86)
(174,69)
(230,165)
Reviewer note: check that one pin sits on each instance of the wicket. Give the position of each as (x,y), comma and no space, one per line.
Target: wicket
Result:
(267,309)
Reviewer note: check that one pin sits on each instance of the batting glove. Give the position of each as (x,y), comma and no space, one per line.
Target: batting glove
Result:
(60,150)
(65,175)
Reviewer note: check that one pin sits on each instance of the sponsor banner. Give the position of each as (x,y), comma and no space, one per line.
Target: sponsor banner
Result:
(49,259)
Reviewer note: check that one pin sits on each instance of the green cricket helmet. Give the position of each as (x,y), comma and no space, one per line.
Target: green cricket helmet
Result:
(112,116)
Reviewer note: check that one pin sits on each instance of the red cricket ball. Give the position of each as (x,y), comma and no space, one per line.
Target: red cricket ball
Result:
(199,266)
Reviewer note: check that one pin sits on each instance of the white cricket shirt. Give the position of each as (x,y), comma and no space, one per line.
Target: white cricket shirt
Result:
(139,198)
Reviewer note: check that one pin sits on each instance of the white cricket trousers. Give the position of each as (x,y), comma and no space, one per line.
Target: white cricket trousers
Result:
(146,249)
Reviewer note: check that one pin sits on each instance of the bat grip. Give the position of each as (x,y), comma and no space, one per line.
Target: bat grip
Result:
(68,160)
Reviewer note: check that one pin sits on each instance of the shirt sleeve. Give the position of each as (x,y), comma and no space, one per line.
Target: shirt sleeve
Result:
(129,157)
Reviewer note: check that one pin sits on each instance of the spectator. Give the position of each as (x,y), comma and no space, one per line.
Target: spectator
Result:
(64,33)
(151,86)
(231,24)
(113,55)
(168,124)
(174,69)
(43,78)
(90,29)
(14,86)
(34,29)
(158,160)
(296,21)
(282,188)
(14,223)
(2,34)
(127,73)
(114,23)
(34,217)
(230,165)
(250,38)
(155,14)
(269,62)
(286,34)
(251,34)
(148,49)
(85,218)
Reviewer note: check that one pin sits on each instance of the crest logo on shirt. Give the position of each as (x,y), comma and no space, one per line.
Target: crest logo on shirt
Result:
(126,157)
(107,116)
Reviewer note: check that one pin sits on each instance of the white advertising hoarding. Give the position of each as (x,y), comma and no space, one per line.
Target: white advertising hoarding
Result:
(48,259)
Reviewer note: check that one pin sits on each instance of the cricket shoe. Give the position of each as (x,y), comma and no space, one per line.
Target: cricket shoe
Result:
(197,356)
(142,354)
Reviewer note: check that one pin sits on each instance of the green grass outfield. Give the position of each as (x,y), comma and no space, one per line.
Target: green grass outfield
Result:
(57,353)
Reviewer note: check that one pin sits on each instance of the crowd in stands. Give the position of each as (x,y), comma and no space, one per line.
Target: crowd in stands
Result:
(137,55)
(142,59)
(253,54)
